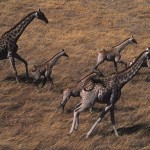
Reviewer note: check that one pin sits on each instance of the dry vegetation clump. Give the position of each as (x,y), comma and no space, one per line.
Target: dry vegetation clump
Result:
(28,117)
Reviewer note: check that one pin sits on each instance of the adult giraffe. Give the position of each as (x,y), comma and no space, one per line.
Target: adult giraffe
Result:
(8,41)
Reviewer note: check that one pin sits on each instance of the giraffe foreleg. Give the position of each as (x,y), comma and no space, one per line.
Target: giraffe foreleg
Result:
(78,105)
(77,111)
(25,63)
(12,61)
(50,80)
(77,122)
(99,119)
(43,82)
(116,68)
(113,120)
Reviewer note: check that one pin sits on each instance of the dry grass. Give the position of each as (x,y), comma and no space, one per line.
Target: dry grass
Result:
(28,120)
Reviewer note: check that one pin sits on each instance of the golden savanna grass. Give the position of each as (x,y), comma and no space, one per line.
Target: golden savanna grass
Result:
(28,117)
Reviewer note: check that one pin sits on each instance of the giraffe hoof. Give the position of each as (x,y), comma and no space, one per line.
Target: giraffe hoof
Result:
(87,136)
(71,131)
(17,81)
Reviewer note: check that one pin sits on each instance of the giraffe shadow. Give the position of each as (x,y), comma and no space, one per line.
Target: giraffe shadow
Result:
(131,129)
(22,79)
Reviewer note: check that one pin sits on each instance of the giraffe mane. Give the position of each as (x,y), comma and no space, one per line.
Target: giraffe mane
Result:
(119,43)
(132,63)
(50,59)
(85,77)
(18,23)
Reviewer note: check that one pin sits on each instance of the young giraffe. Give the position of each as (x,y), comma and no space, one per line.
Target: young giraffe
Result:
(8,41)
(76,89)
(45,69)
(114,54)
(108,92)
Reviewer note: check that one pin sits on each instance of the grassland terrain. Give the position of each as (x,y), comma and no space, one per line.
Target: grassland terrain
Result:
(28,117)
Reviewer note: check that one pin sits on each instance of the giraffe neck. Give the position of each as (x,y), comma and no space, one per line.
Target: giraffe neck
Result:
(88,77)
(126,75)
(54,59)
(15,32)
(122,45)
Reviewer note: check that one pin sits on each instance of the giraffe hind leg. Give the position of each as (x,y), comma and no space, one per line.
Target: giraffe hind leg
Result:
(77,111)
(25,63)
(100,59)
(12,61)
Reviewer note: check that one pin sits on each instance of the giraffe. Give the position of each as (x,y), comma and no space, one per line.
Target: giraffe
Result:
(76,89)
(114,53)
(45,69)
(145,64)
(8,41)
(107,90)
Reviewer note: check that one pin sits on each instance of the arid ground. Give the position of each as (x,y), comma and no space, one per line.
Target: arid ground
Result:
(28,117)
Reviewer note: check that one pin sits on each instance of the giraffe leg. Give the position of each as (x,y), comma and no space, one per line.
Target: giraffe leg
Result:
(148,62)
(66,96)
(74,121)
(43,82)
(99,119)
(77,117)
(91,109)
(100,59)
(113,120)
(12,61)
(25,63)
(77,111)
(116,68)
(78,105)
(77,122)
(50,82)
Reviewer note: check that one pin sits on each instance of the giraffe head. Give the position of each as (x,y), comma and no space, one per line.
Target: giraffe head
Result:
(147,52)
(64,53)
(132,40)
(40,15)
